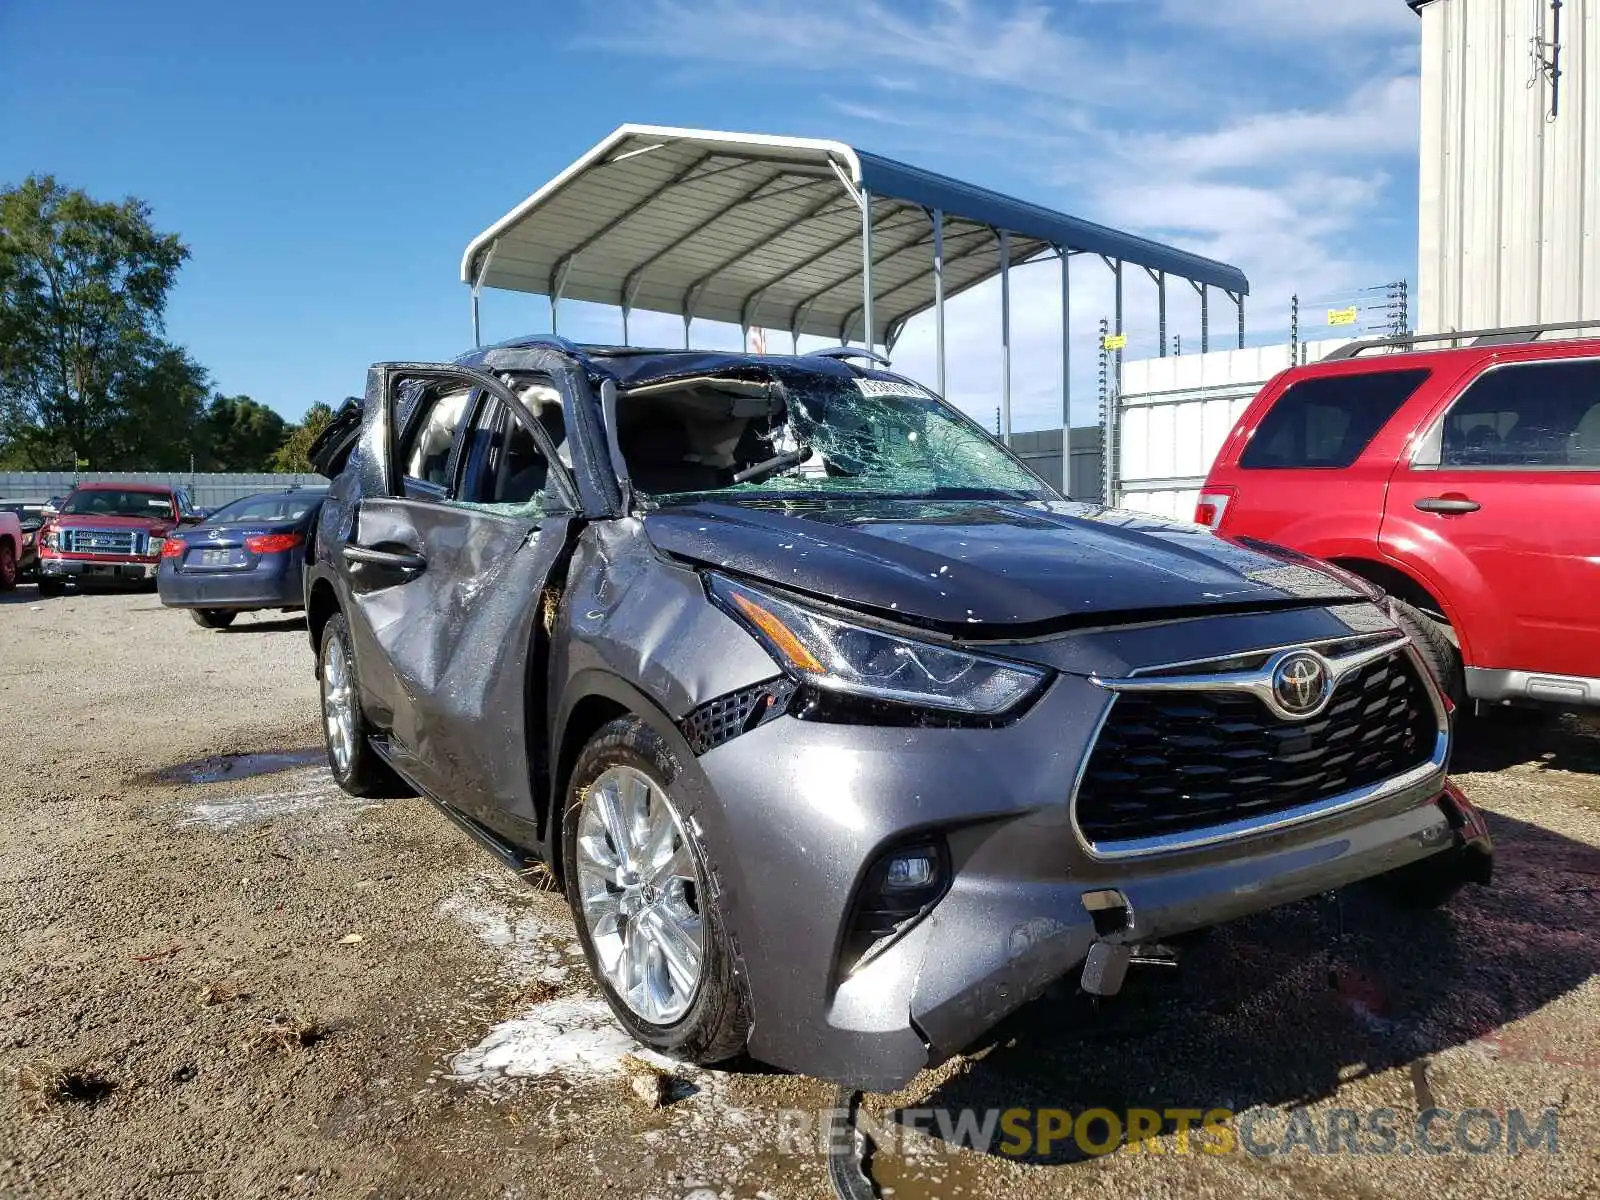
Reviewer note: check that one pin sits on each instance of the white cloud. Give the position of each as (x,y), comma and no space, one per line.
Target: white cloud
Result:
(1017,47)
(1265,133)
(1296,18)
(1379,118)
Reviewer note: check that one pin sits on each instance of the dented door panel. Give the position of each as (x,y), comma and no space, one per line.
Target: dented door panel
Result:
(448,645)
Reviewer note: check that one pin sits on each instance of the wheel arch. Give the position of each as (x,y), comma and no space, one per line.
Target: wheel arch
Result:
(1397,582)
(592,700)
(322,603)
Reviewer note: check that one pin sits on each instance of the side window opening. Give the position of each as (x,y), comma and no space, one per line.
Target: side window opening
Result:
(433,415)
(505,469)
(1528,416)
(1327,421)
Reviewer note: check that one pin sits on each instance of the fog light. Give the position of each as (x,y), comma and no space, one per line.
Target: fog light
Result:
(914,870)
(900,888)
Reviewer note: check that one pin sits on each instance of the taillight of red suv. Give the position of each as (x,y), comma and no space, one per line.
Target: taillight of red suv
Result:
(1211,506)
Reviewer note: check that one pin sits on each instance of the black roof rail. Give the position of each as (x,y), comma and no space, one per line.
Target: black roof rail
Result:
(1502,336)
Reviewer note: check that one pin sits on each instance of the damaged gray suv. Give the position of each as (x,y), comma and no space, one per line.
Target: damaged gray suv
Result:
(845,734)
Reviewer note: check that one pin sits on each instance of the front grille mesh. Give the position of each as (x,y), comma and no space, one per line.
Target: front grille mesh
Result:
(1171,763)
(728,716)
(103,541)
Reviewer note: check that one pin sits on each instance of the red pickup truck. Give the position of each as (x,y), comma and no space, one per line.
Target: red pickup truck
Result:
(110,533)
(1465,481)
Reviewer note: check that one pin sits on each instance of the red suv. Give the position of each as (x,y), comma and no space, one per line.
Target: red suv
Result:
(1464,481)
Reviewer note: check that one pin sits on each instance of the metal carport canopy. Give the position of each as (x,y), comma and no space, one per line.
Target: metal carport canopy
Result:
(769,231)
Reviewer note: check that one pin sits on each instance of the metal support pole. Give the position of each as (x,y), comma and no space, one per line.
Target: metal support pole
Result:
(1106,430)
(625,340)
(477,287)
(1005,337)
(1066,372)
(1161,309)
(1205,319)
(866,267)
(938,295)
(1117,316)
(1239,300)
(554,300)
(686,319)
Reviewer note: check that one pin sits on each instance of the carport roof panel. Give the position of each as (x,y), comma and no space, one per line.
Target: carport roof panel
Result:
(755,229)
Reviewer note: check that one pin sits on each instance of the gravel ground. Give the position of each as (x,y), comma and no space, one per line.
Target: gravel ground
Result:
(223,978)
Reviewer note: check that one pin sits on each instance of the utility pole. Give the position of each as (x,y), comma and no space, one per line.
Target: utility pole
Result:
(1294,330)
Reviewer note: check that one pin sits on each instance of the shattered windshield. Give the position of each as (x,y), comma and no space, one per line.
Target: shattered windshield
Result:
(805,433)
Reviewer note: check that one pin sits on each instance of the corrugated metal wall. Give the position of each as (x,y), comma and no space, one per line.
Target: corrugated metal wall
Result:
(1041,450)
(207,490)
(1509,207)
(1175,413)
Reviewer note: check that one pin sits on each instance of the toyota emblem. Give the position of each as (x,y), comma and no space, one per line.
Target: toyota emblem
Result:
(1300,684)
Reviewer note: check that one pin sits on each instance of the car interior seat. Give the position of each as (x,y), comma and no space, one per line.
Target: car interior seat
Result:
(1583,443)
(656,447)
(1481,446)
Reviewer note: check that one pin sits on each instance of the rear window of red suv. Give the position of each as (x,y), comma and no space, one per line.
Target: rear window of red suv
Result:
(1326,422)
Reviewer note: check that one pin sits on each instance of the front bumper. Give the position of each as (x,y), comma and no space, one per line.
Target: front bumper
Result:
(98,570)
(803,808)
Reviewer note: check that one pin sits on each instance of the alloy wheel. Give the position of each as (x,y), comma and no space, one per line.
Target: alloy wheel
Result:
(338,704)
(639,888)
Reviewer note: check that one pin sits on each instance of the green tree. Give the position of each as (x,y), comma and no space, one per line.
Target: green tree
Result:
(242,435)
(83,290)
(291,456)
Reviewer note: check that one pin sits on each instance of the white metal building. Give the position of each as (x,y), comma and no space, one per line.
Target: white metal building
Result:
(1509,214)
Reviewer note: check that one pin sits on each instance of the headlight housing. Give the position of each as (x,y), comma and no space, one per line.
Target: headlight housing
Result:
(838,656)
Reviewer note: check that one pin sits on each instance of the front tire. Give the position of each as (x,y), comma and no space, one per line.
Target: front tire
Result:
(213,618)
(635,876)
(8,568)
(1440,654)
(355,764)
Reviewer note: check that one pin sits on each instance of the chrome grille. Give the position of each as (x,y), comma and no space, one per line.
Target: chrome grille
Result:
(1169,763)
(104,541)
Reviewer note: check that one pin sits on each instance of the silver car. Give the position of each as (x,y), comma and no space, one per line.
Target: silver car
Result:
(845,734)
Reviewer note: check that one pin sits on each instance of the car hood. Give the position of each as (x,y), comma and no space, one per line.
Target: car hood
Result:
(107,521)
(992,563)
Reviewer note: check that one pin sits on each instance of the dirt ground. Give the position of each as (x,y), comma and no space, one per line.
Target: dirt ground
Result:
(220,977)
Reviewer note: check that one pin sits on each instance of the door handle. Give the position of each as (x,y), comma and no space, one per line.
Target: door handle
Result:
(393,560)
(1452,503)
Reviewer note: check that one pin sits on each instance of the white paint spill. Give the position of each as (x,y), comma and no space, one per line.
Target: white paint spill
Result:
(315,791)
(527,931)
(574,1036)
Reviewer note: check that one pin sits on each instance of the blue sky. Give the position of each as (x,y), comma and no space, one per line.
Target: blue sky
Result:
(327,162)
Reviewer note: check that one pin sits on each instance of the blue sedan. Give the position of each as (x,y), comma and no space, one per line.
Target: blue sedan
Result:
(247,555)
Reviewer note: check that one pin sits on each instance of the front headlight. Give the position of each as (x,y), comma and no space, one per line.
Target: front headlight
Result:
(841,657)
(153,550)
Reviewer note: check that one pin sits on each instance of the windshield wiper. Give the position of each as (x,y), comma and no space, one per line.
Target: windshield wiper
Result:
(771,466)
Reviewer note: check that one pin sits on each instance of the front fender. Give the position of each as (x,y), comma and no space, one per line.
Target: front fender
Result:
(1452,578)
